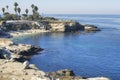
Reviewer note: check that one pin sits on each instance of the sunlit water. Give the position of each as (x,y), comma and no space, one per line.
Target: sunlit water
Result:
(87,54)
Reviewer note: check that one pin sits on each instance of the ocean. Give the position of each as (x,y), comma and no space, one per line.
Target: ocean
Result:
(87,54)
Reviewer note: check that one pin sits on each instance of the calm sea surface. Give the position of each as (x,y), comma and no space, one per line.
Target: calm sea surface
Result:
(87,54)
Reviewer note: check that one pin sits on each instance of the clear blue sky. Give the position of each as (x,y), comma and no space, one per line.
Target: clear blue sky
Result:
(67,6)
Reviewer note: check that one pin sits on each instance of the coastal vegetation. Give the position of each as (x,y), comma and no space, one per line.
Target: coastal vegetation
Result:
(27,21)
(18,15)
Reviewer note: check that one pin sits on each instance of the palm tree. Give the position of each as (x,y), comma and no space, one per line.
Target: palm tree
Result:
(3,10)
(7,7)
(32,6)
(15,9)
(26,11)
(15,4)
(36,8)
(33,11)
(19,10)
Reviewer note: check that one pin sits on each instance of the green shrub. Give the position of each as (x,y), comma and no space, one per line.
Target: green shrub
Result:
(11,17)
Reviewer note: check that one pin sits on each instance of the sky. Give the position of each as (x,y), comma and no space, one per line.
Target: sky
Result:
(66,6)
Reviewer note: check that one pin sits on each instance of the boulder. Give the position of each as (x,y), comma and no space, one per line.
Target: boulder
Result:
(26,64)
(4,53)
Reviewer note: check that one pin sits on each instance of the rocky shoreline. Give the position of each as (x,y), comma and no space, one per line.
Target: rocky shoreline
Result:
(27,32)
(14,57)
(14,64)
(24,27)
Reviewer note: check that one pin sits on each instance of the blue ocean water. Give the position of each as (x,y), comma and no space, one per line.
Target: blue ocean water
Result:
(87,54)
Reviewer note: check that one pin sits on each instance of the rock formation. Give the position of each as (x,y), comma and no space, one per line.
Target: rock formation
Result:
(16,51)
(51,25)
(65,26)
(91,28)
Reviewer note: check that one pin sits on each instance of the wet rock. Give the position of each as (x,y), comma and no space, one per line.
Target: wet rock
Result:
(91,28)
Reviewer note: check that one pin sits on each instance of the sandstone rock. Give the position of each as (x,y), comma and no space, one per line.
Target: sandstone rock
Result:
(64,26)
(5,42)
(14,79)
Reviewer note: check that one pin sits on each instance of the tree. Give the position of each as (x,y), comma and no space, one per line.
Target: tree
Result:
(15,9)
(15,4)
(3,10)
(32,6)
(24,15)
(33,11)
(7,7)
(19,10)
(10,17)
(36,8)
(26,11)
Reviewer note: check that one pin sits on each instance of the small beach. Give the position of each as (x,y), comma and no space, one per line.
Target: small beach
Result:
(26,32)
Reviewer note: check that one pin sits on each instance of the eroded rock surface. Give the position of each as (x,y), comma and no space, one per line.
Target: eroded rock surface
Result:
(9,49)
(65,26)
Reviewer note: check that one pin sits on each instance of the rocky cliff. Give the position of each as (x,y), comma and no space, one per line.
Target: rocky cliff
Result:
(9,49)
(51,25)
(64,26)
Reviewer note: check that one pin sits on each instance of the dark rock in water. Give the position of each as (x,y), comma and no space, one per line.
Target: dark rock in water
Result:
(31,51)
(4,53)
(91,28)
(4,34)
